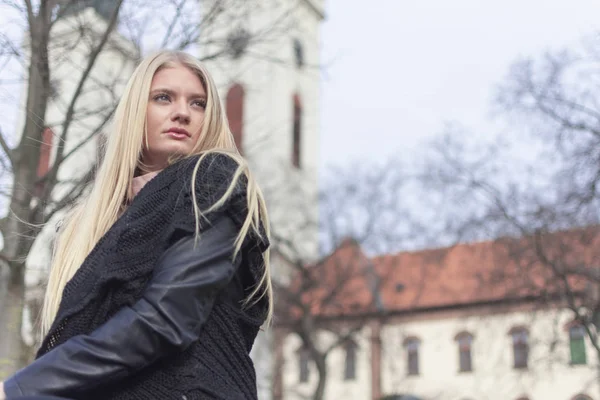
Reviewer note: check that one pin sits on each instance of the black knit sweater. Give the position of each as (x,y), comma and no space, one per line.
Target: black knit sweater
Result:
(218,365)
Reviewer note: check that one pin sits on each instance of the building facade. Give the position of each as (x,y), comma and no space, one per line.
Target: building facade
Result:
(493,353)
(448,324)
(270,86)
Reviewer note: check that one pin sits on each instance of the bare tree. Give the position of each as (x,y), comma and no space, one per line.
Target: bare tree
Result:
(545,214)
(72,62)
(361,212)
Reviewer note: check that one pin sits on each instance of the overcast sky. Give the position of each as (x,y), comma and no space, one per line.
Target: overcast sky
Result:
(399,69)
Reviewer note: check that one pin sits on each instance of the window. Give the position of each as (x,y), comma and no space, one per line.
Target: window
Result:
(303,360)
(45,150)
(350,365)
(577,345)
(298,53)
(44,161)
(297,132)
(234,107)
(464,341)
(412,355)
(520,347)
(582,397)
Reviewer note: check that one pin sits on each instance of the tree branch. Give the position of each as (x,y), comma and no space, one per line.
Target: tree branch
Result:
(71,109)
(75,192)
(7,150)
(343,338)
(174,21)
(30,17)
(44,179)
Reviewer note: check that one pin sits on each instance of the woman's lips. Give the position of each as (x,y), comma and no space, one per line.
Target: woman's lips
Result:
(178,133)
(178,136)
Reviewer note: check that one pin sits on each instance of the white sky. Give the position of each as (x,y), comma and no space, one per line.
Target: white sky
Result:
(400,69)
(397,70)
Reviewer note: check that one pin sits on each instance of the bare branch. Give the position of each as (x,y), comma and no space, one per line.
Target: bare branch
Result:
(71,109)
(73,194)
(30,16)
(344,338)
(174,21)
(44,179)
(7,150)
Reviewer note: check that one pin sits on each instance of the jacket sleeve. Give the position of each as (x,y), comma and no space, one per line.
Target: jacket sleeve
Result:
(167,319)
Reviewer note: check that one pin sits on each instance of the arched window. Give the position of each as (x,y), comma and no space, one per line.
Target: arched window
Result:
(234,105)
(350,362)
(44,160)
(523,398)
(303,360)
(411,345)
(45,151)
(577,344)
(297,132)
(464,341)
(520,344)
(582,397)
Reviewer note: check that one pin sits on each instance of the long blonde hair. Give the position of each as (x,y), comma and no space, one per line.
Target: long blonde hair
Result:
(95,213)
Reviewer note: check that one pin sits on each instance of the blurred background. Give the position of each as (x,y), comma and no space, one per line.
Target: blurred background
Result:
(432,171)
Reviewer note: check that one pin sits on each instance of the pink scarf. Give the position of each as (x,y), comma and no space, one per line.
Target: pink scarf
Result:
(139,181)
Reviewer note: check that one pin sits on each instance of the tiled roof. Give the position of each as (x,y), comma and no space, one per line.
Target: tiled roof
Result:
(348,282)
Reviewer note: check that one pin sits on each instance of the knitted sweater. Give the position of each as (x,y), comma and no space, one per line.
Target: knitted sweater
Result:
(114,274)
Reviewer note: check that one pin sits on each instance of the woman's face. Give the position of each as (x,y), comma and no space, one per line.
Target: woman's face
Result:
(174,116)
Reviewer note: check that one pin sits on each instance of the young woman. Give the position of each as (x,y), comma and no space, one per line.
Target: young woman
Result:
(160,278)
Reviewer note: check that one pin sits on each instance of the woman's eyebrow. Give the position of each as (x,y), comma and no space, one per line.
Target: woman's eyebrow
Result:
(172,93)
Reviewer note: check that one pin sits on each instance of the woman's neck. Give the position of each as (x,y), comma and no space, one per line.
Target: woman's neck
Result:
(141,180)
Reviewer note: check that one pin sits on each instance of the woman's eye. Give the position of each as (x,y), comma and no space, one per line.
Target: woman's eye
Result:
(200,103)
(161,97)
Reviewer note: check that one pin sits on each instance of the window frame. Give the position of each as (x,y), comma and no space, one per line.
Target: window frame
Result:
(298,53)
(580,341)
(412,347)
(234,107)
(351,352)
(297,115)
(303,355)
(465,349)
(521,345)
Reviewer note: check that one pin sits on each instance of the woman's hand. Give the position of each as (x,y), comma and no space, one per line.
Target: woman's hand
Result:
(2,395)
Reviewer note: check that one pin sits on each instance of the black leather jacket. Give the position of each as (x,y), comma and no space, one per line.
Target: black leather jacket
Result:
(167,319)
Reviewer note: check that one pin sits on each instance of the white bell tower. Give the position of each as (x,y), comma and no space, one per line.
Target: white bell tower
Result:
(270,85)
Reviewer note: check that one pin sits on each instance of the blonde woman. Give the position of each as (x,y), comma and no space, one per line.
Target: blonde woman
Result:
(160,278)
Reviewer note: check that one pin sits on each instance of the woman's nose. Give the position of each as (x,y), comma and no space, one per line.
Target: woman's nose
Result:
(181,113)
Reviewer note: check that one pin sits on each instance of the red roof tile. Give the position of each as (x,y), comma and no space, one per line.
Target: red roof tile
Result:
(348,282)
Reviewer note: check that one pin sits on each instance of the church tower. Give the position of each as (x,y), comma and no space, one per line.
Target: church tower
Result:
(270,86)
